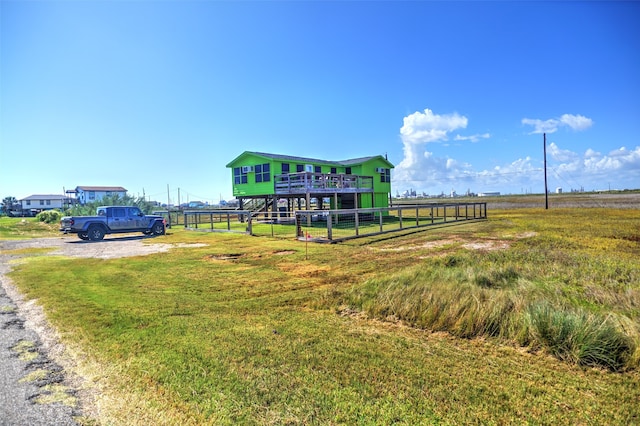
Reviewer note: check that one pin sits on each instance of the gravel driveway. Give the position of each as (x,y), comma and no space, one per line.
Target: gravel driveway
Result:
(36,387)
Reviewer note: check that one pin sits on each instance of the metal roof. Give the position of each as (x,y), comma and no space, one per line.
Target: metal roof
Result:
(102,188)
(44,197)
(291,158)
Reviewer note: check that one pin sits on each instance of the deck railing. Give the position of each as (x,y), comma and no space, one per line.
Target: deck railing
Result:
(321,183)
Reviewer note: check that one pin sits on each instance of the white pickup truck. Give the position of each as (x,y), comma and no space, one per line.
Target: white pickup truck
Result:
(112,220)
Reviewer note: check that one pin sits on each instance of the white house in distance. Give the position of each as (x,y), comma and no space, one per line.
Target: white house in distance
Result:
(90,194)
(38,203)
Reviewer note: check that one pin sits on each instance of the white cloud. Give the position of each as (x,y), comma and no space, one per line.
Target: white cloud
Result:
(421,128)
(619,160)
(575,122)
(472,138)
(423,171)
(548,126)
(437,174)
(590,170)
(591,153)
(561,154)
(428,127)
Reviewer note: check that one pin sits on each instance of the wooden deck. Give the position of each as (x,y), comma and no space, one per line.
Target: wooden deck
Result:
(321,183)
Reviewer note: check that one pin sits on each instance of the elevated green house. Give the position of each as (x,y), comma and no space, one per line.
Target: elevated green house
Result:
(357,183)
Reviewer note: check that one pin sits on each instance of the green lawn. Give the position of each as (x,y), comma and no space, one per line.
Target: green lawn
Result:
(12,228)
(254,330)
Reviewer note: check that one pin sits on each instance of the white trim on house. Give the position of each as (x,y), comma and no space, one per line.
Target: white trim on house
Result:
(90,194)
(44,202)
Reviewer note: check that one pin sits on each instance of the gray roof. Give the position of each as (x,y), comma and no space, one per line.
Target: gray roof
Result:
(312,160)
(44,197)
(102,188)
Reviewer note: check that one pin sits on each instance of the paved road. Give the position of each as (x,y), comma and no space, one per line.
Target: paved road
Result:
(29,380)
(33,388)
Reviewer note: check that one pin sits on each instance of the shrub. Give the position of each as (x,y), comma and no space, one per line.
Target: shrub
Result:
(49,216)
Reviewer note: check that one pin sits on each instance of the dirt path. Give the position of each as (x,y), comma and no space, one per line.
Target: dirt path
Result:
(38,383)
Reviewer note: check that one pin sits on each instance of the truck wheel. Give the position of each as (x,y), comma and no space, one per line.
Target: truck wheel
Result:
(83,236)
(158,228)
(96,233)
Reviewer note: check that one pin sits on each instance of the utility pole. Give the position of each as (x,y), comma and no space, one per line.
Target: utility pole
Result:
(546,191)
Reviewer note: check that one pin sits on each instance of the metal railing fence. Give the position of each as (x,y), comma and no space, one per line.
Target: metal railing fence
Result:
(218,220)
(332,225)
(339,225)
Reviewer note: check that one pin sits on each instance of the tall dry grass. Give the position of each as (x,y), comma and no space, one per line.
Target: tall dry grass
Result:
(581,309)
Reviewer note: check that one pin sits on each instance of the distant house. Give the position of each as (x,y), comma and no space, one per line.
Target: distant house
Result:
(38,203)
(347,184)
(90,194)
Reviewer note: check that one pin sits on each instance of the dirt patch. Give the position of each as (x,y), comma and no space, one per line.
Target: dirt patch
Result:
(109,248)
(303,270)
(486,244)
(228,256)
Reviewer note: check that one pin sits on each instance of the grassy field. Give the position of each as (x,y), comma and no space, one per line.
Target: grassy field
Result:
(19,228)
(530,317)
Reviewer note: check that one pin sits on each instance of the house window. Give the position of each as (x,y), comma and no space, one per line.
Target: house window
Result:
(92,195)
(48,202)
(285,168)
(386,176)
(262,173)
(347,171)
(238,176)
(108,193)
(334,170)
(28,202)
(299,168)
(42,202)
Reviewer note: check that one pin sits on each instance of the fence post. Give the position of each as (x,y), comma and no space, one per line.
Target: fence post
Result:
(357,222)
(444,213)
(380,215)
(417,216)
(400,216)
(329,228)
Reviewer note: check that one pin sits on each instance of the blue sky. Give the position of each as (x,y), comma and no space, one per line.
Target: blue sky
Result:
(150,94)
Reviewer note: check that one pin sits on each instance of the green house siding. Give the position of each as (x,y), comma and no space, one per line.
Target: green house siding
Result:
(254,176)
